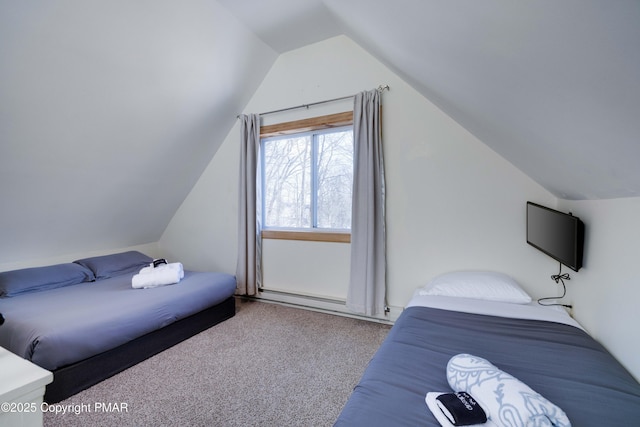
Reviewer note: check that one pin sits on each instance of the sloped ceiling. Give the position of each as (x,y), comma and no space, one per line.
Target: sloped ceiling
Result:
(110,111)
(552,86)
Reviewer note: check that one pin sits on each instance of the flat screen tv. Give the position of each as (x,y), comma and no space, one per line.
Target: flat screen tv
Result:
(557,234)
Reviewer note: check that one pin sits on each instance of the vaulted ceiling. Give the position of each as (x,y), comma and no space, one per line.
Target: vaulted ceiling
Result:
(552,86)
(110,111)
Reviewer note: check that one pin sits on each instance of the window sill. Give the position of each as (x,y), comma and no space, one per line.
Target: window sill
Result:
(308,235)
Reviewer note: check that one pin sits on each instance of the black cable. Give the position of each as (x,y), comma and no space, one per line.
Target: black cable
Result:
(558,278)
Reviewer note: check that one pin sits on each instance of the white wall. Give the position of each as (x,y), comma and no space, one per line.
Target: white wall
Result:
(452,203)
(301,267)
(606,291)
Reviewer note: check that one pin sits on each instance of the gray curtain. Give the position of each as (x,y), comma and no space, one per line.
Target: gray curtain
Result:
(367,286)
(248,269)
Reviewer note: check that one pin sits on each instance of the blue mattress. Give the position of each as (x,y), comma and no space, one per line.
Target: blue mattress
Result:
(561,362)
(58,327)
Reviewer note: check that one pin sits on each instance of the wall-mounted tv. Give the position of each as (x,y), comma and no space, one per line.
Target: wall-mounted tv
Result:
(557,234)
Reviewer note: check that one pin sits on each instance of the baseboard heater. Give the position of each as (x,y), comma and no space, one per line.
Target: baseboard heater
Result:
(321,303)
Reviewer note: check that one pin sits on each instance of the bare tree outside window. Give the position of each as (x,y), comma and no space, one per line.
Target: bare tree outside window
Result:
(287,180)
(308,180)
(335,180)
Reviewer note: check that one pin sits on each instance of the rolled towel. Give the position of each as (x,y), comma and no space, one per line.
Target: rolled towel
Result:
(178,267)
(509,402)
(157,277)
(174,266)
(146,270)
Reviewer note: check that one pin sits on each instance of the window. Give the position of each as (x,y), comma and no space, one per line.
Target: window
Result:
(307,179)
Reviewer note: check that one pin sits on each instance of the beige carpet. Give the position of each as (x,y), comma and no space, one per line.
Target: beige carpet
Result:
(270,365)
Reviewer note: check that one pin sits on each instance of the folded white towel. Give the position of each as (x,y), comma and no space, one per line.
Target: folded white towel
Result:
(509,401)
(165,274)
(173,265)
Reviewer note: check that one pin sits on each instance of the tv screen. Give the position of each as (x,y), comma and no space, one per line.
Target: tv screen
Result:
(557,234)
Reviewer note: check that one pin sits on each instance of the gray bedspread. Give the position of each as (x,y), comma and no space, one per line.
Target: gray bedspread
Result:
(561,362)
(59,327)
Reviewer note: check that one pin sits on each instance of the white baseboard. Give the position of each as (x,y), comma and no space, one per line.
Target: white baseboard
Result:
(323,304)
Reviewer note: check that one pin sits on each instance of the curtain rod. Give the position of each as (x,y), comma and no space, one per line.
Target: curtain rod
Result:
(380,88)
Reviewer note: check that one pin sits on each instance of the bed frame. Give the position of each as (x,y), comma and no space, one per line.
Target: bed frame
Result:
(74,378)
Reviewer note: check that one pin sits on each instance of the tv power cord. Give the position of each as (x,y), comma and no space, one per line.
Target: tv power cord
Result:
(558,278)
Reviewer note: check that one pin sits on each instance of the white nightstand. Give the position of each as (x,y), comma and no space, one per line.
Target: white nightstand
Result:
(22,387)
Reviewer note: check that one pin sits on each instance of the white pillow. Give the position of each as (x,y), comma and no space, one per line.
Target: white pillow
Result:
(485,285)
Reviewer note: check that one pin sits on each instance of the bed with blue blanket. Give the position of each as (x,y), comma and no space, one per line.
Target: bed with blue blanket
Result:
(542,347)
(85,322)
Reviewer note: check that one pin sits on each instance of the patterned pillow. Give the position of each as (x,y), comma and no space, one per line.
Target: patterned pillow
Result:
(508,400)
